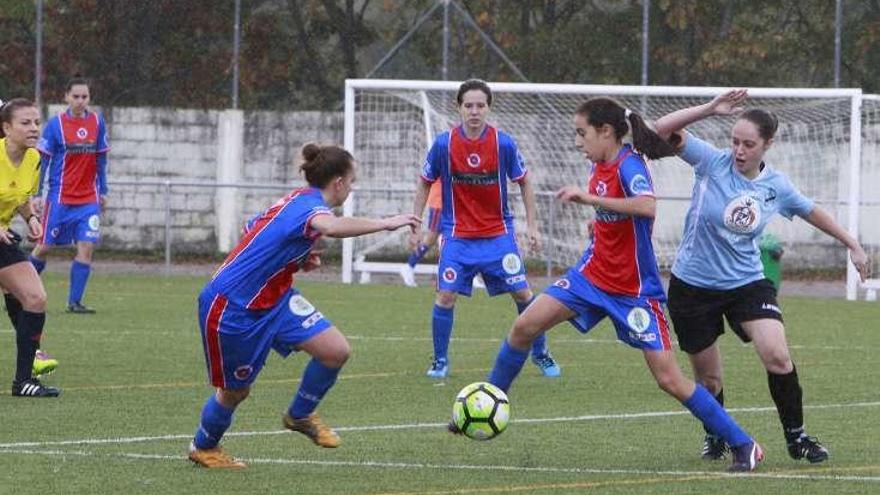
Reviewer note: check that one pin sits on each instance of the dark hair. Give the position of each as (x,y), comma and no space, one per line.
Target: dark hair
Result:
(472,84)
(321,164)
(7,110)
(601,110)
(76,80)
(766,122)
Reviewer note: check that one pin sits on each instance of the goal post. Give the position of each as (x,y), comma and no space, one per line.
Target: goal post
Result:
(389,125)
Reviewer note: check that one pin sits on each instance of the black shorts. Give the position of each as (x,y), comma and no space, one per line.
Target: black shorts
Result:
(697,312)
(11,254)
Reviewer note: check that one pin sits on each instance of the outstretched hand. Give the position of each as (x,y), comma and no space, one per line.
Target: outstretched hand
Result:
(860,260)
(398,221)
(729,103)
(572,194)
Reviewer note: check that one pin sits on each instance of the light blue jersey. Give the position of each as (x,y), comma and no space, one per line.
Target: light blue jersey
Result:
(728,213)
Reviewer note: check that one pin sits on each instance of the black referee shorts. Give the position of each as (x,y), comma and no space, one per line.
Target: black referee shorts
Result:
(698,314)
(11,254)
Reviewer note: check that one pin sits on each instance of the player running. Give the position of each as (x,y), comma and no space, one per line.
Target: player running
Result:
(617,276)
(250,305)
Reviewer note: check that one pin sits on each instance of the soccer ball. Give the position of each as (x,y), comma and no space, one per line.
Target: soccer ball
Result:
(481,411)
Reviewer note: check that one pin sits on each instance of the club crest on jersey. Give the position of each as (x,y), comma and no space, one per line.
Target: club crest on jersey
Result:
(94,222)
(639,185)
(638,319)
(82,133)
(243,372)
(601,188)
(449,275)
(473,160)
(54,232)
(511,263)
(742,215)
(562,283)
(300,306)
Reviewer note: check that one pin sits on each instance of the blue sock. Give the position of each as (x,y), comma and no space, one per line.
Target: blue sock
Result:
(507,365)
(441,329)
(216,419)
(417,254)
(316,381)
(539,345)
(79,276)
(715,418)
(39,264)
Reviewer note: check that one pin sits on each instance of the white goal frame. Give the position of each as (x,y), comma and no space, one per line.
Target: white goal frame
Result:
(350,265)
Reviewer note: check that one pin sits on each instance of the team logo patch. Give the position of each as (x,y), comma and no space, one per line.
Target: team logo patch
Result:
(94,222)
(473,160)
(449,275)
(638,319)
(742,215)
(82,133)
(54,232)
(639,185)
(511,263)
(562,283)
(243,372)
(300,306)
(601,188)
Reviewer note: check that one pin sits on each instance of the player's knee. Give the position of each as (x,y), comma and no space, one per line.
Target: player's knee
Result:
(232,397)
(336,357)
(673,384)
(522,334)
(778,361)
(712,383)
(445,299)
(33,299)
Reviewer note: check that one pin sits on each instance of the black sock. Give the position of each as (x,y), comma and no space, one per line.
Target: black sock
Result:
(786,392)
(28,333)
(719,397)
(13,308)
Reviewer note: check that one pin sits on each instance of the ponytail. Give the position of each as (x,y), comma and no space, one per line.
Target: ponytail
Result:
(601,111)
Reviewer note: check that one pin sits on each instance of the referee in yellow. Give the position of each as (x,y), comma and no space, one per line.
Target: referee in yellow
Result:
(24,292)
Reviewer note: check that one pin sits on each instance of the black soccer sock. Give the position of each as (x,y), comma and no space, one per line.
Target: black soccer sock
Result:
(13,308)
(788,396)
(719,397)
(28,333)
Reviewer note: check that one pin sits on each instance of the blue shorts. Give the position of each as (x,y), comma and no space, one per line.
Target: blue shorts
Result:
(640,321)
(434,215)
(496,259)
(237,340)
(68,224)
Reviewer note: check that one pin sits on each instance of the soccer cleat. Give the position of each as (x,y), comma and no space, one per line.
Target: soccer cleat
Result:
(808,448)
(78,308)
(746,457)
(214,458)
(408,275)
(439,368)
(43,363)
(312,427)
(452,428)
(714,448)
(33,388)
(547,365)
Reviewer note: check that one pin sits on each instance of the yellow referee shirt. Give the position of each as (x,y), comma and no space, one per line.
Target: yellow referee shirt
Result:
(17,183)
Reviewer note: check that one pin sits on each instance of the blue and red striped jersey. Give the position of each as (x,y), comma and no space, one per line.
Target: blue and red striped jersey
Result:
(474,175)
(72,146)
(259,270)
(621,260)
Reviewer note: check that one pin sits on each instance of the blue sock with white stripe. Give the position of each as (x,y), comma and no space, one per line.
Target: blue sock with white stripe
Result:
(417,254)
(79,276)
(316,381)
(216,419)
(507,366)
(702,405)
(441,330)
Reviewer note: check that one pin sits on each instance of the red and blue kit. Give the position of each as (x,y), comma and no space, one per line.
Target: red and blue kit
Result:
(617,275)
(250,305)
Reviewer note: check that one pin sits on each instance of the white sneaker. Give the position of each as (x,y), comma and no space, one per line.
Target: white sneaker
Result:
(408,276)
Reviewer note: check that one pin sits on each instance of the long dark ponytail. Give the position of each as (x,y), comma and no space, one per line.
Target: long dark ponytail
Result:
(602,110)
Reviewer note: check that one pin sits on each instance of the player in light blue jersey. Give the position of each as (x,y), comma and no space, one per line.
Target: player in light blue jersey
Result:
(251,307)
(718,272)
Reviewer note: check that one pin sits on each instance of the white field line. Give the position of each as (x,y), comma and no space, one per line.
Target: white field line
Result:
(561,419)
(462,467)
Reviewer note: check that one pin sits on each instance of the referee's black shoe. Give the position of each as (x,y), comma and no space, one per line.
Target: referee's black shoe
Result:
(33,388)
(79,309)
(714,448)
(808,448)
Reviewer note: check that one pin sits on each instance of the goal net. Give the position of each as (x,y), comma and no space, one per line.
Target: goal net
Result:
(389,125)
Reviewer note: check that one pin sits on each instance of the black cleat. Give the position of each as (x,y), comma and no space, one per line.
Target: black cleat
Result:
(808,448)
(746,457)
(455,430)
(78,308)
(714,448)
(33,388)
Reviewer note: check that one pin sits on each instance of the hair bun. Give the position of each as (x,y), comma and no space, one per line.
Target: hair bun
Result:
(310,151)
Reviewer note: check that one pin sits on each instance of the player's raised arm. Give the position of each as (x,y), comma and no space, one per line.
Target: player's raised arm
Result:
(728,103)
(339,227)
